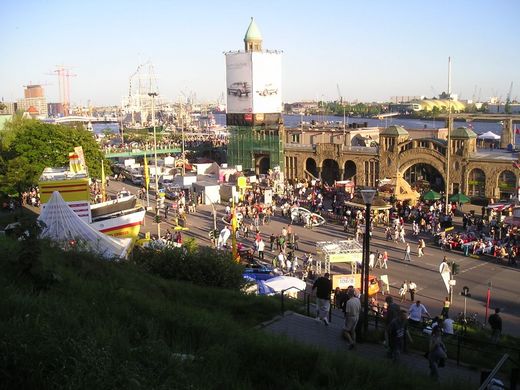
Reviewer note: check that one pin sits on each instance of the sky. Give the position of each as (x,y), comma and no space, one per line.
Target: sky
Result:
(372,50)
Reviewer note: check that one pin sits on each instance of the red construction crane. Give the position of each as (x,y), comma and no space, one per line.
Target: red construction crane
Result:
(64,75)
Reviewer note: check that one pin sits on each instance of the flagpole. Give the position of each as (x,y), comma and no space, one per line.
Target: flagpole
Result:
(103,182)
(146,179)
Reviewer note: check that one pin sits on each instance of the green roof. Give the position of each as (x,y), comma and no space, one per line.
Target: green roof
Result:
(463,132)
(253,32)
(394,130)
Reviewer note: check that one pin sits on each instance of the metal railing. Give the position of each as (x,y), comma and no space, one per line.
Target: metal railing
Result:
(306,299)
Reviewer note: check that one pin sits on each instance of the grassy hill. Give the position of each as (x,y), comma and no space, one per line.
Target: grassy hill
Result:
(74,321)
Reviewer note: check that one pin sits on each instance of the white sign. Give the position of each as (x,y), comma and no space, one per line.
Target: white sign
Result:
(254,82)
(239,83)
(267,82)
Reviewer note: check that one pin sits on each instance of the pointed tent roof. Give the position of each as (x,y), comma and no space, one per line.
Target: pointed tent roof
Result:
(489,135)
(63,224)
(463,133)
(253,32)
(394,130)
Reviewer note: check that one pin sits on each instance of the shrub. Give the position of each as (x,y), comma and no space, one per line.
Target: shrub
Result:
(200,265)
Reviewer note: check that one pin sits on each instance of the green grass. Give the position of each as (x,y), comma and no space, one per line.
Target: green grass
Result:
(102,325)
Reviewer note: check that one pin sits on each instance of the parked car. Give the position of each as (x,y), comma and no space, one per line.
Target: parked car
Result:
(239,89)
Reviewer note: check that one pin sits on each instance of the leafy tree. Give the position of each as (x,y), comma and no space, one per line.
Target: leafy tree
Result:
(27,146)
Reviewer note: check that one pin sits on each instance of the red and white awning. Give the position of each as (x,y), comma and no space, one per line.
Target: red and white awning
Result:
(499,206)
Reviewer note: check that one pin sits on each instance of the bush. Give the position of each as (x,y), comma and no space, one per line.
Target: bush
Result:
(200,265)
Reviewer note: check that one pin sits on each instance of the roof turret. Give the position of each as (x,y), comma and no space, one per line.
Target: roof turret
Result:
(394,130)
(463,133)
(253,37)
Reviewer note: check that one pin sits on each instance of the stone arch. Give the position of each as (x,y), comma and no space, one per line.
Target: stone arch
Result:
(330,171)
(424,176)
(263,163)
(311,166)
(476,183)
(507,184)
(350,170)
(425,156)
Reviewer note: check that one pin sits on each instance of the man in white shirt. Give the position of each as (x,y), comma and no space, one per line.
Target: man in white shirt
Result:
(447,325)
(352,310)
(416,313)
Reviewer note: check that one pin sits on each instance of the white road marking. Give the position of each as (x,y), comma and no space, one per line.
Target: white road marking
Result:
(474,267)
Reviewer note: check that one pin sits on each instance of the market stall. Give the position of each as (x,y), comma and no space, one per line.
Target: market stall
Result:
(339,251)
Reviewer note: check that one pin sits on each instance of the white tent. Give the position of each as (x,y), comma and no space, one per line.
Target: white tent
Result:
(63,224)
(489,136)
(279,283)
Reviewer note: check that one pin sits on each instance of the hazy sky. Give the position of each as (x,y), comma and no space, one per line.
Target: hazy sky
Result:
(372,49)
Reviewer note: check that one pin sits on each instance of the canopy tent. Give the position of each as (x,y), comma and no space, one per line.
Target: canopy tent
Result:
(62,224)
(489,136)
(277,284)
(378,203)
(459,198)
(431,195)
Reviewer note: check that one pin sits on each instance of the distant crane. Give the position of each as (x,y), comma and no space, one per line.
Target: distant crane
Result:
(64,75)
(339,95)
(507,107)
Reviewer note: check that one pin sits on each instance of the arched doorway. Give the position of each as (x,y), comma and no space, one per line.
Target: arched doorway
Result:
(350,171)
(506,184)
(425,177)
(477,183)
(330,171)
(263,164)
(311,167)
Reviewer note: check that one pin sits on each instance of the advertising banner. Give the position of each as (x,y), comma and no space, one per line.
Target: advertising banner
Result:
(267,82)
(239,83)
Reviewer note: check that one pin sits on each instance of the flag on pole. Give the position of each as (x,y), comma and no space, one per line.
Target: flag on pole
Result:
(444,270)
(146,173)
(103,182)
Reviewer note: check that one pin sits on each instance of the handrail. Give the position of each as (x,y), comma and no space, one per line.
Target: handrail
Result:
(306,298)
(492,374)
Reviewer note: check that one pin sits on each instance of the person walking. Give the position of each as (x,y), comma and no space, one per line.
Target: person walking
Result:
(411,289)
(352,310)
(445,307)
(407,256)
(495,321)
(420,248)
(398,330)
(385,260)
(323,287)
(260,246)
(389,313)
(403,290)
(436,352)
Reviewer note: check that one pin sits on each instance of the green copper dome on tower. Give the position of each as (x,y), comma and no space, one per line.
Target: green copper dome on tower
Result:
(253,32)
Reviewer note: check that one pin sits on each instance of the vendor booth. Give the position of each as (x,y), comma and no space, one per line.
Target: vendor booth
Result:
(340,251)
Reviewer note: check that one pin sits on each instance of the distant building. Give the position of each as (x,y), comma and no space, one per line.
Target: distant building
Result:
(33,97)
(55,110)
(427,105)
(9,108)
(500,108)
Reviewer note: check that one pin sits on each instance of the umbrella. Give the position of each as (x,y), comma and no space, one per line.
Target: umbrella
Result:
(432,195)
(459,198)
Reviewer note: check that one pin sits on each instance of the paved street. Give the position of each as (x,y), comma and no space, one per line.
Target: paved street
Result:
(474,273)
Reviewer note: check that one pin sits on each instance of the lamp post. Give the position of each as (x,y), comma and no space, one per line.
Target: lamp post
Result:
(368,197)
(153,95)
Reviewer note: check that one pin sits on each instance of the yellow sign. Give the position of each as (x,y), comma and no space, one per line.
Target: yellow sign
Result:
(346,257)
(71,190)
(242,182)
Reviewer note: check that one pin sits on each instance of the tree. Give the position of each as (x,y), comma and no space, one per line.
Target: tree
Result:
(27,146)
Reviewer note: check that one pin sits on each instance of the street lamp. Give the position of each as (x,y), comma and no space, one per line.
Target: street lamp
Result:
(368,197)
(153,95)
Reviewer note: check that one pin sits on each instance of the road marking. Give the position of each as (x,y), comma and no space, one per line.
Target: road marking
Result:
(472,268)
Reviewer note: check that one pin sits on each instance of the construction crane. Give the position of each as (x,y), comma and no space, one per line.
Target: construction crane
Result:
(507,107)
(64,75)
